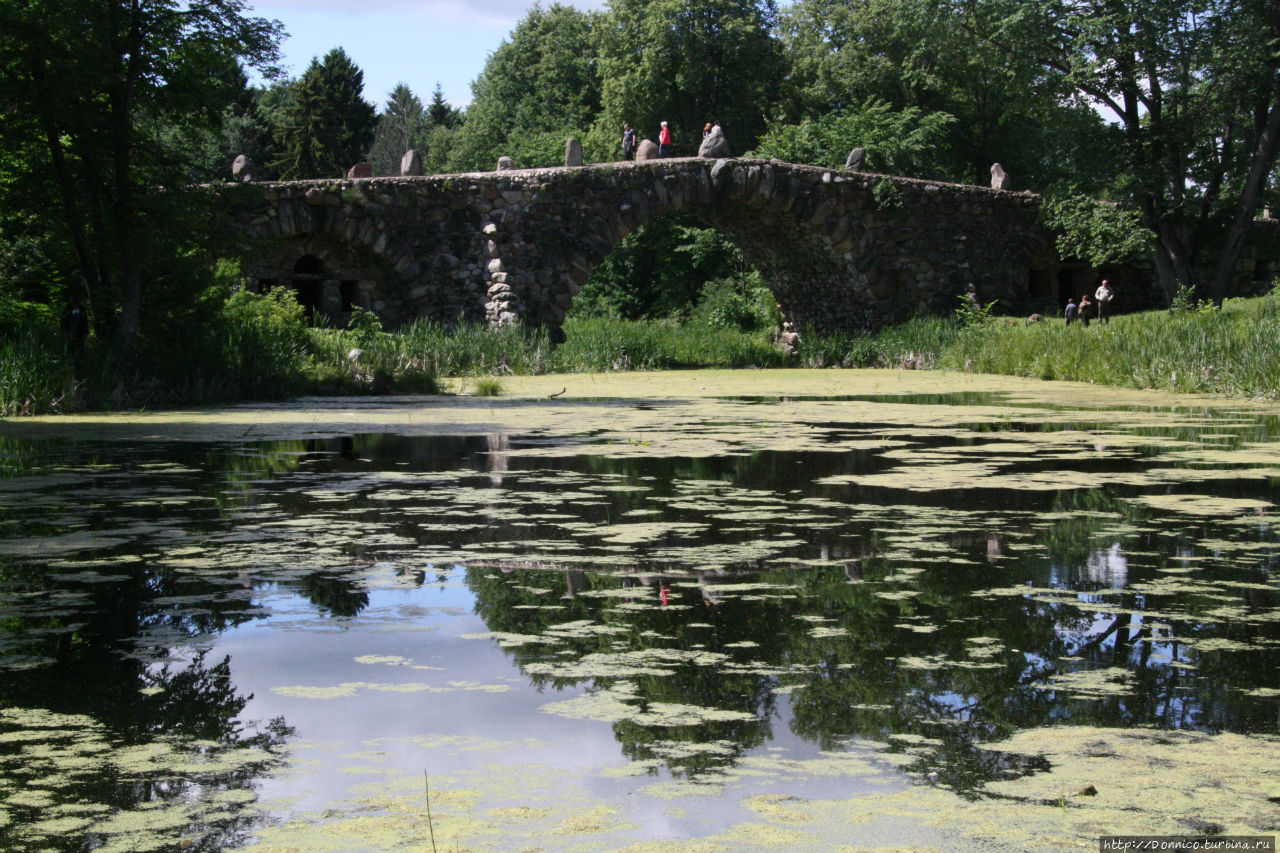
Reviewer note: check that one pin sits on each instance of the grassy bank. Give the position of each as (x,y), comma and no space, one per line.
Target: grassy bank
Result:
(1232,350)
(261,348)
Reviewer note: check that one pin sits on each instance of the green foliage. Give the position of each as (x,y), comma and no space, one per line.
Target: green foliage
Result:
(36,375)
(365,327)
(917,54)
(886,195)
(85,87)
(658,271)
(604,345)
(903,142)
(328,124)
(402,125)
(742,303)
(915,344)
(1094,230)
(537,89)
(971,313)
(1184,299)
(1193,87)
(265,338)
(487,386)
(440,113)
(688,62)
(1226,351)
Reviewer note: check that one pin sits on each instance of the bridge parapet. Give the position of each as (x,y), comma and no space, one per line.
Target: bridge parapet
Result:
(840,250)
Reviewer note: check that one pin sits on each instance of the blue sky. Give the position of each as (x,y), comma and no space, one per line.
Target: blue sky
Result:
(418,42)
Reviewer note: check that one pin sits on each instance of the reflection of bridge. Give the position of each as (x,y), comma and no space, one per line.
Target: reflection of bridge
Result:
(840,250)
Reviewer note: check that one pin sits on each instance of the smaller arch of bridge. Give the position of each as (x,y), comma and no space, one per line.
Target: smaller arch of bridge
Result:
(381,251)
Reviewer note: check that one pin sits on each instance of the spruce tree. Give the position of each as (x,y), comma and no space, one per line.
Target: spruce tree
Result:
(330,126)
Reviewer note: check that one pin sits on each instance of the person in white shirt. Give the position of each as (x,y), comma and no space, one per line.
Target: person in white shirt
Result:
(1103,297)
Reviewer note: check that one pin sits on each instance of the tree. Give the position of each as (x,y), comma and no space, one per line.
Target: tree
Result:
(440,113)
(1195,87)
(899,143)
(85,84)
(402,126)
(689,62)
(537,89)
(912,55)
(330,125)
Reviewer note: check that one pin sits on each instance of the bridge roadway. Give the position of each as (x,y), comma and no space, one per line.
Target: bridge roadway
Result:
(841,251)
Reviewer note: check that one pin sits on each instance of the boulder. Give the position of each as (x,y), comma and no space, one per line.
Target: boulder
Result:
(506,164)
(242,168)
(999,177)
(714,146)
(856,160)
(411,163)
(360,170)
(648,150)
(572,152)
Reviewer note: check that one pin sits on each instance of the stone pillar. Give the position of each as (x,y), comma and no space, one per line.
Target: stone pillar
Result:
(572,152)
(411,163)
(999,177)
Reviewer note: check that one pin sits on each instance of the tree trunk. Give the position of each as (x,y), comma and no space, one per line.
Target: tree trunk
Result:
(1264,155)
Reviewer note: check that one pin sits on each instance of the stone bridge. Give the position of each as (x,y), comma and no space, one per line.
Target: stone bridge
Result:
(841,251)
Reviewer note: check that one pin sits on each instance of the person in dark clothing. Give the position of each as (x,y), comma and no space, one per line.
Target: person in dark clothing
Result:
(75,325)
(628,142)
(1086,310)
(1069,313)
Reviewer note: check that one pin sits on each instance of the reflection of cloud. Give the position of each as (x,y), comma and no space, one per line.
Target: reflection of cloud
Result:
(1108,567)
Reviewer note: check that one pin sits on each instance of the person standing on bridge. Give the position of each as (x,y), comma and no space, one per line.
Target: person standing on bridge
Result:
(628,142)
(664,141)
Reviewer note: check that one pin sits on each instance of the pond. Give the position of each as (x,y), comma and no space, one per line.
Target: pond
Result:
(760,610)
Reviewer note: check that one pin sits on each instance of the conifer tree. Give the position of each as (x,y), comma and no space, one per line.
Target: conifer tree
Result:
(330,125)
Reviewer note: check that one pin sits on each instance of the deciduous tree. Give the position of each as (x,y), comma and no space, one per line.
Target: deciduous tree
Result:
(537,89)
(1195,87)
(85,83)
(689,62)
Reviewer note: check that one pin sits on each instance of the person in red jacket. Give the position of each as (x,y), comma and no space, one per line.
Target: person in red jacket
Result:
(664,141)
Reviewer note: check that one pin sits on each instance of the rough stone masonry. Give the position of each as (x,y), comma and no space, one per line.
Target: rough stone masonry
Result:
(841,251)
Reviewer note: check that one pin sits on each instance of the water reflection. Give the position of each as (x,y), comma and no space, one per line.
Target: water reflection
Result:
(918,587)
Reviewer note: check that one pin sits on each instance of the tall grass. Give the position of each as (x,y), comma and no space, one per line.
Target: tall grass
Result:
(258,347)
(36,375)
(1232,350)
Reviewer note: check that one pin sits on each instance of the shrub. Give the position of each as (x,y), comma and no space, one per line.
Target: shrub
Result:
(266,340)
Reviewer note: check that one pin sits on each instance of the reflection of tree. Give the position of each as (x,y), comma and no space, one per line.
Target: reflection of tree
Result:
(514,603)
(101,654)
(335,595)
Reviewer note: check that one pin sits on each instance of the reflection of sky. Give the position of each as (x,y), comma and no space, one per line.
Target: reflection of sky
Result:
(425,626)
(1103,567)
(1107,567)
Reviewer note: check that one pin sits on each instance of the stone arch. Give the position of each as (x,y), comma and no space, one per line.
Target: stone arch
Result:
(802,243)
(841,251)
(331,278)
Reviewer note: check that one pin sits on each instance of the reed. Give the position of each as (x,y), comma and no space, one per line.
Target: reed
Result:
(36,376)
(1229,350)
(261,348)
